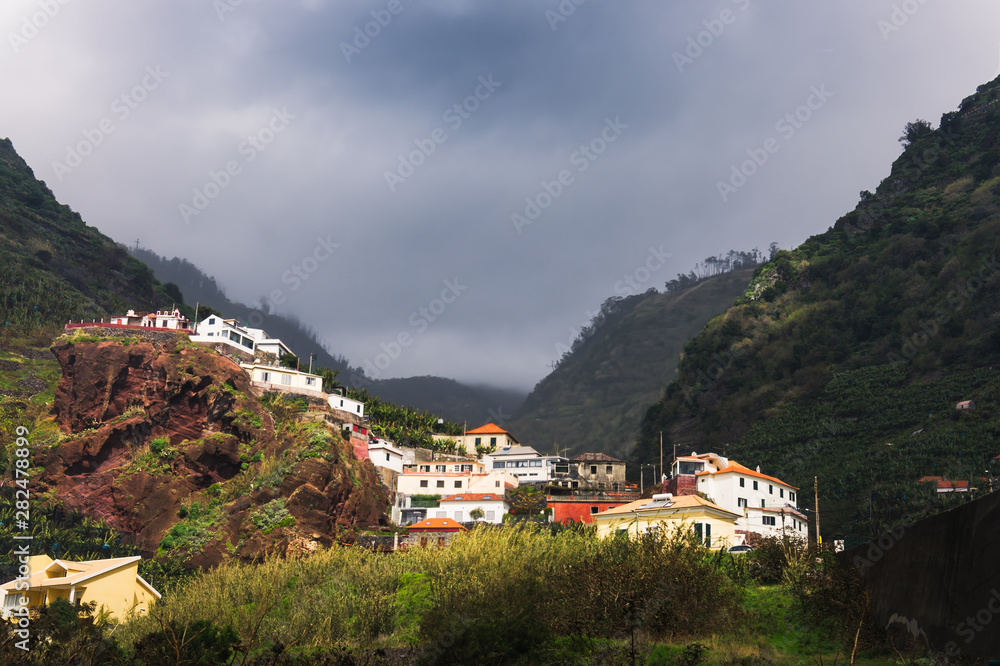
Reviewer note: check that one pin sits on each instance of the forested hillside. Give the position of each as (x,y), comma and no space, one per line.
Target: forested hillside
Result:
(845,358)
(53,267)
(595,398)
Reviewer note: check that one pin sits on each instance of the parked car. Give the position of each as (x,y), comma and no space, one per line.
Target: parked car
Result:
(736,550)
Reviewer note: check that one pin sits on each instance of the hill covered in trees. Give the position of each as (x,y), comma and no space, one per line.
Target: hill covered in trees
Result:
(53,267)
(596,396)
(845,357)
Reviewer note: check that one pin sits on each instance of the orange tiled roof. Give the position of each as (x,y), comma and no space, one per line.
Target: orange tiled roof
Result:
(678,502)
(488,429)
(437,525)
(473,497)
(736,467)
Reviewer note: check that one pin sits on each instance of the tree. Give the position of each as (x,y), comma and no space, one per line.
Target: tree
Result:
(289,361)
(330,381)
(477,513)
(915,131)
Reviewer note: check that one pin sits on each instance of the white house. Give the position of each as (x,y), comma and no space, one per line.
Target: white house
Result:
(271,378)
(340,403)
(523,462)
(767,505)
(438,478)
(490,436)
(384,453)
(460,507)
(226,331)
(169,319)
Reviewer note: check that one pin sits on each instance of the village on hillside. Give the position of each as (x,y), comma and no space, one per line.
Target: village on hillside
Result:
(489,475)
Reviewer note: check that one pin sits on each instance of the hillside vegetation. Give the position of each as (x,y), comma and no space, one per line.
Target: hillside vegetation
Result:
(845,357)
(596,397)
(53,267)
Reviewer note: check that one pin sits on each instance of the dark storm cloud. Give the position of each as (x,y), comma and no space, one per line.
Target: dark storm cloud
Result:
(687,90)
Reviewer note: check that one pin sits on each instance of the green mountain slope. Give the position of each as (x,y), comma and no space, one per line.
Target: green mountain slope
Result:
(53,267)
(845,358)
(596,397)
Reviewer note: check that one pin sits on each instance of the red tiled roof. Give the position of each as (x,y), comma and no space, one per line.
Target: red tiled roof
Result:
(437,525)
(489,428)
(473,497)
(736,467)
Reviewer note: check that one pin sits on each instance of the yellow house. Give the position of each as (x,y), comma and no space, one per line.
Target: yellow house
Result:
(115,584)
(713,525)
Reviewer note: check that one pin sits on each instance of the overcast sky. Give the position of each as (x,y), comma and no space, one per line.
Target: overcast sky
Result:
(359,163)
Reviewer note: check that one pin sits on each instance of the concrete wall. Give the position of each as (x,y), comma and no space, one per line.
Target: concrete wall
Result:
(939,579)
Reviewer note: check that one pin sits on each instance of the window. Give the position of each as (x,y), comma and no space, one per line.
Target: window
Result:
(755,485)
(608,469)
(741,502)
(763,504)
(458,516)
(742,482)
(562,469)
(493,441)
(769,520)
(286,380)
(440,468)
(440,514)
(423,484)
(491,515)
(594,510)
(497,485)
(534,463)
(425,468)
(423,542)
(770,489)
(781,492)
(387,458)
(440,484)
(479,441)
(358,409)
(703,533)
(498,464)
(265,376)
(593,469)
(791,496)
(458,484)
(310,381)
(211,321)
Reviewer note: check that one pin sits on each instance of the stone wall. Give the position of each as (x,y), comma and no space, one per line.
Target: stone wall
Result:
(938,579)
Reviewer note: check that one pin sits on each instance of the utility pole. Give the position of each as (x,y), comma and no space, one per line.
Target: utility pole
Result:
(311,355)
(819,538)
(661,453)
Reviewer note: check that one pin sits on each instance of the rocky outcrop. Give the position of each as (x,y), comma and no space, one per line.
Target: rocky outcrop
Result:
(151,426)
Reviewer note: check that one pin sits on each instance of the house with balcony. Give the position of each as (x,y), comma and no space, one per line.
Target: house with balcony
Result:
(767,505)
(459,507)
(171,320)
(523,462)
